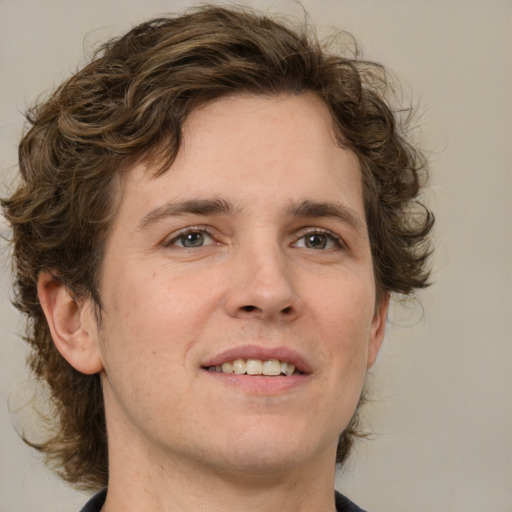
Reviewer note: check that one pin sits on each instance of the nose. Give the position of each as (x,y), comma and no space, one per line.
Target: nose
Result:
(263,285)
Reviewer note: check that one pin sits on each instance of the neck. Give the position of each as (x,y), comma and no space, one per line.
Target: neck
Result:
(182,486)
(266,471)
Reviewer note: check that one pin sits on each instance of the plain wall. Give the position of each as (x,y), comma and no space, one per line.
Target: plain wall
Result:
(442,411)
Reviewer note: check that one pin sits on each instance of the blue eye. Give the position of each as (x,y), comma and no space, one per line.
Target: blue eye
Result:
(192,239)
(318,241)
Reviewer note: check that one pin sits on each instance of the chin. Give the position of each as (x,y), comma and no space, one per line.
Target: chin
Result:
(263,453)
(256,463)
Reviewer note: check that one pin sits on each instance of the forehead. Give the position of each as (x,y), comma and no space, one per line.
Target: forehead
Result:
(254,149)
(254,128)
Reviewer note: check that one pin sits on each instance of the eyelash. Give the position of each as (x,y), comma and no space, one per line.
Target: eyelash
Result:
(184,232)
(311,232)
(308,232)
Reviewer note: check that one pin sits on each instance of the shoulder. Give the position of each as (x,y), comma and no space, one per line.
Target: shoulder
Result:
(96,502)
(343,504)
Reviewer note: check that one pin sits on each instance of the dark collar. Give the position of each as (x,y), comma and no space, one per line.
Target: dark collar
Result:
(343,504)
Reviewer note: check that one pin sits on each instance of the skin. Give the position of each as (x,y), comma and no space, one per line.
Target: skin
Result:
(267,272)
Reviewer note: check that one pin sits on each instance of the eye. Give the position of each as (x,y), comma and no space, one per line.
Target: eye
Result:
(191,239)
(319,241)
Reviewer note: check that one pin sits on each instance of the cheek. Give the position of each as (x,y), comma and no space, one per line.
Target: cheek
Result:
(344,321)
(155,312)
(345,311)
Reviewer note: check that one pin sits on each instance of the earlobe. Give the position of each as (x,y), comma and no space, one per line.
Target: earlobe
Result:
(378,329)
(72,324)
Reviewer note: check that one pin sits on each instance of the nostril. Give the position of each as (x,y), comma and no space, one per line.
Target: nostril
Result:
(250,309)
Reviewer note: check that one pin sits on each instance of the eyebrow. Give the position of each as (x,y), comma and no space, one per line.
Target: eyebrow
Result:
(314,209)
(191,206)
(220,206)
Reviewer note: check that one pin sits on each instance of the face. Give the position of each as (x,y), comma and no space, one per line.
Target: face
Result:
(249,255)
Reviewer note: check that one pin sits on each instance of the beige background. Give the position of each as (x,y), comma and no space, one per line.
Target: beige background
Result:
(442,415)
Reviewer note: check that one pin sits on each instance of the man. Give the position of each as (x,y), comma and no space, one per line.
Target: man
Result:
(211,219)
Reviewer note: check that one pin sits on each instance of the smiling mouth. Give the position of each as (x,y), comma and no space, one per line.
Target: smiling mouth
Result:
(270,368)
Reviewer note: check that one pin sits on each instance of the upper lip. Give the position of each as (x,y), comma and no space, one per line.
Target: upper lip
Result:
(262,353)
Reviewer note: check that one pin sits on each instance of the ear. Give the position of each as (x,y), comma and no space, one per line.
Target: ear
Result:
(72,324)
(378,329)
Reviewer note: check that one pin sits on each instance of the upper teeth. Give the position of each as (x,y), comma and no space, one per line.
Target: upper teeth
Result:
(255,367)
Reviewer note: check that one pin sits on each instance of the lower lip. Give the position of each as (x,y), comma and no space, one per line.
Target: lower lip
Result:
(260,384)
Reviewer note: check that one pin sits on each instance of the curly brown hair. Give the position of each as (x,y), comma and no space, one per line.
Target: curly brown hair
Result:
(129,103)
